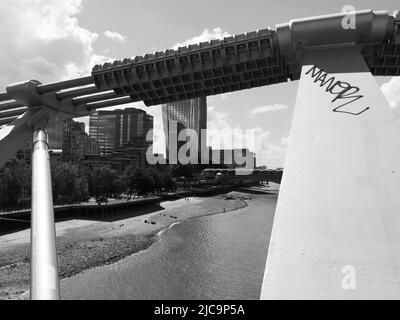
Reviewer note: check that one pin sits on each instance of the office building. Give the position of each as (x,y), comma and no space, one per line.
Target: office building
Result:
(76,142)
(55,132)
(102,128)
(122,132)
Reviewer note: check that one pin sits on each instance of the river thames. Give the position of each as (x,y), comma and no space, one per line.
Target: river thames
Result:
(220,256)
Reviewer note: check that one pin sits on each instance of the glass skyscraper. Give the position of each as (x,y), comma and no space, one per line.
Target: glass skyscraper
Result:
(189,114)
(55,132)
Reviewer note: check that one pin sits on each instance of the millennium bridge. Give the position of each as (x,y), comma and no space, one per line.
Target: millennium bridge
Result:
(336,233)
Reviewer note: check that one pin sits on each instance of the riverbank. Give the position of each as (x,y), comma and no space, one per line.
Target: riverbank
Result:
(17,220)
(84,244)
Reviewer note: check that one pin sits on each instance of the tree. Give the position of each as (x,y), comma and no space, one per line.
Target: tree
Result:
(167,182)
(69,184)
(86,172)
(145,184)
(15,183)
(140,180)
(157,180)
(103,181)
(130,173)
(183,171)
(120,184)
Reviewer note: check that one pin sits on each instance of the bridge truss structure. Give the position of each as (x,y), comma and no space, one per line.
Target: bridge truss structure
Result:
(343,147)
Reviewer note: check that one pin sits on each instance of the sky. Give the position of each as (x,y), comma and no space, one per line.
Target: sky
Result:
(53,40)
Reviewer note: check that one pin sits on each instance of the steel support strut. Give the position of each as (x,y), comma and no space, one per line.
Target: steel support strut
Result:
(44,272)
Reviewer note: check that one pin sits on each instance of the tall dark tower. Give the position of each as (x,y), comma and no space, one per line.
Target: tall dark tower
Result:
(55,132)
(189,114)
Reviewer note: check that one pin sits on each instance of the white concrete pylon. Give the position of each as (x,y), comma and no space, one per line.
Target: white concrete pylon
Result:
(336,233)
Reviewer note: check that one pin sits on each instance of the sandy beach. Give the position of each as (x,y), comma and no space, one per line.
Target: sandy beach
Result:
(84,244)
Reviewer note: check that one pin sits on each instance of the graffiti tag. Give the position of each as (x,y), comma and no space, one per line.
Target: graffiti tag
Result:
(343,91)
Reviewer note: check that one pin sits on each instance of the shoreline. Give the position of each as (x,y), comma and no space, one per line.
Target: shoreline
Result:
(93,244)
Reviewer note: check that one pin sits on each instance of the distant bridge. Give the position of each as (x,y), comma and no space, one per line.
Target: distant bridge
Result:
(246,175)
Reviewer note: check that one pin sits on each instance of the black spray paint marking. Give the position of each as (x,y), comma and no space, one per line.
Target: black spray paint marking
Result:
(342,90)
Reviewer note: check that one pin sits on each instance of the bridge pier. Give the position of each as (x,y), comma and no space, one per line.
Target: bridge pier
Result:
(336,229)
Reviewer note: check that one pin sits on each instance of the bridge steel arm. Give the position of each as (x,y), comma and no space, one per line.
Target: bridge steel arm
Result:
(44,270)
(16,133)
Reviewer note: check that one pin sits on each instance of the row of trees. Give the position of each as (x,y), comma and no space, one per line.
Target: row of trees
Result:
(78,182)
(15,184)
(72,183)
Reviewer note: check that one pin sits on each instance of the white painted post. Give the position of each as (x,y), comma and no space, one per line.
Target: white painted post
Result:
(336,233)
(44,273)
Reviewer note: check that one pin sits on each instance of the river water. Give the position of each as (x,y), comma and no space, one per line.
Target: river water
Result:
(221,256)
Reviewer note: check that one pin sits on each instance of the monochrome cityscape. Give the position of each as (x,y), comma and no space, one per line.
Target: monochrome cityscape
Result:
(227,166)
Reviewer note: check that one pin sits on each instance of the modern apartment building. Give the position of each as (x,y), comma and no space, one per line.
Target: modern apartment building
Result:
(122,131)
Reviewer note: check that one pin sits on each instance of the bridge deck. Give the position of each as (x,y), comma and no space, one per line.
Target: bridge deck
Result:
(234,63)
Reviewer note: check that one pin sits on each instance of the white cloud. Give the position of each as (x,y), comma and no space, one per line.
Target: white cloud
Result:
(220,134)
(264,109)
(114,36)
(205,36)
(225,96)
(42,40)
(273,154)
(391,90)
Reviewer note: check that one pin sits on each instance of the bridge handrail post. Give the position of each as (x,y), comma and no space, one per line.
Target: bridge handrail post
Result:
(44,272)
